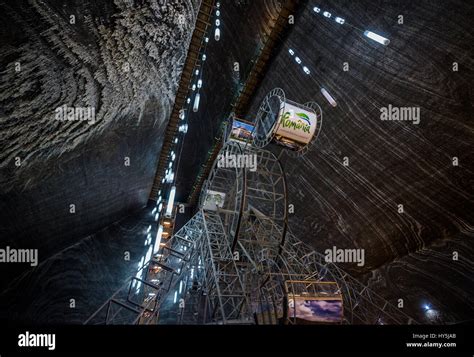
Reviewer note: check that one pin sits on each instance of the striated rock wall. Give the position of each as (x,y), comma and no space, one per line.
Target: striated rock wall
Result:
(407,254)
(122,58)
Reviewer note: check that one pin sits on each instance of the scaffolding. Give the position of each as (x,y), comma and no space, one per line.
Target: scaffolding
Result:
(236,261)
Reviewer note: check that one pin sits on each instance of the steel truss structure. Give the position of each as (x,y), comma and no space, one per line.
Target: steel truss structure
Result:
(236,262)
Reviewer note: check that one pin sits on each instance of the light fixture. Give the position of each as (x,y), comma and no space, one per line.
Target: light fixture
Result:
(291,52)
(327,14)
(298,60)
(176,140)
(218,22)
(183,128)
(193,87)
(340,20)
(188,100)
(153,212)
(197,99)
(199,84)
(175,297)
(217,34)
(182,114)
(169,208)
(148,255)
(158,239)
(306,70)
(316,9)
(218,4)
(204,57)
(197,72)
(206,39)
(328,97)
(157,216)
(218,13)
(377,38)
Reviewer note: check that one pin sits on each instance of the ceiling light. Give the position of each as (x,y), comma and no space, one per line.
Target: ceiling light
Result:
(196,102)
(380,39)
(169,208)
(328,97)
(158,239)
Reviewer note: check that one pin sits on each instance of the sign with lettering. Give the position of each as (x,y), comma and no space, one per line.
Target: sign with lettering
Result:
(295,127)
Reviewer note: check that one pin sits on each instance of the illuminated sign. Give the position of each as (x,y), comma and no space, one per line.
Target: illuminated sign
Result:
(295,127)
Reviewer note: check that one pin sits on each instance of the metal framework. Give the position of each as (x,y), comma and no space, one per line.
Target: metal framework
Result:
(236,261)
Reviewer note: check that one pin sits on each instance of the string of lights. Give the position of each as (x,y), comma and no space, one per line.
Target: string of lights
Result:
(369,34)
(341,21)
(168,182)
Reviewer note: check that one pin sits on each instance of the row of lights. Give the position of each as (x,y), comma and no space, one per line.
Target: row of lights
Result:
(298,60)
(339,20)
(183,128)
(306,70)
(369,34)
(170,176)
(327,14)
